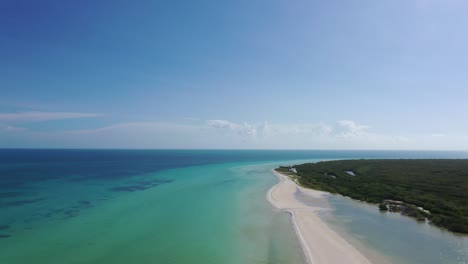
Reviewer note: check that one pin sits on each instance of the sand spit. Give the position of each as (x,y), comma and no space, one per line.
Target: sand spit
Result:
(321,244)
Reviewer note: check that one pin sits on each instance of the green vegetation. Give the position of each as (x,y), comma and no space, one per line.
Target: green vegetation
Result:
(383,207)
(439,186)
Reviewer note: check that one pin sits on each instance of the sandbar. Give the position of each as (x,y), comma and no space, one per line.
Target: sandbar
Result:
(321,244)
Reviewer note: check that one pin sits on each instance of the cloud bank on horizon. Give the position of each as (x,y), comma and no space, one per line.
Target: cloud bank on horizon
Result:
(218,134)
(243,74)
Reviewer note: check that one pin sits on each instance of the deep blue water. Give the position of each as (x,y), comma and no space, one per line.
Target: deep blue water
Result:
(21,168)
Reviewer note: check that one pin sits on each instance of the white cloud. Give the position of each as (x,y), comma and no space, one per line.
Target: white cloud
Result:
(302,129)
(43,116)
(222,124)
(344,134)
(343,128)
(349,128)
(220,133)
(244,129)
(266,129)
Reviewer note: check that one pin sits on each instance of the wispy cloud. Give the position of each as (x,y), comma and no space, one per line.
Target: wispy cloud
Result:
(344,134)
(44,116)
(243,129)
(343,128)
(221,133)
(349,128)
(135,126)
(9,128)
(300,129)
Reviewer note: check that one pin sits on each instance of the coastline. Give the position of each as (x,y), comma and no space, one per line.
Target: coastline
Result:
(321,245)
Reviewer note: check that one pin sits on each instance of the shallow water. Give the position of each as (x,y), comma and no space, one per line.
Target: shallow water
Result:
(398,238)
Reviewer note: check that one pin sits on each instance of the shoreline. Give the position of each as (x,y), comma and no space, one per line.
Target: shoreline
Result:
(321,245)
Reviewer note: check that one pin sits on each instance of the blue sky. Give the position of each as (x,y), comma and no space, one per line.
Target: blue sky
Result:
(234,74)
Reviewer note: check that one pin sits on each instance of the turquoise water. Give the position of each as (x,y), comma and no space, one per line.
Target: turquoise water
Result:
(165,206)
(208,214)
(215,213)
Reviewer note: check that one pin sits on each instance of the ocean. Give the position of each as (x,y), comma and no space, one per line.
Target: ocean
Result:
(185,206)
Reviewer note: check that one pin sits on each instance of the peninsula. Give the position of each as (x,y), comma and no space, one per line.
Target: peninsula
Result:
(434,190)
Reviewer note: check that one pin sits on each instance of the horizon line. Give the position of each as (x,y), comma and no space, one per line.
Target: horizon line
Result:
(240,149)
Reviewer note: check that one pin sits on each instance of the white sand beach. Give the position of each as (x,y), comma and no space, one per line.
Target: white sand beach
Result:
(321,244)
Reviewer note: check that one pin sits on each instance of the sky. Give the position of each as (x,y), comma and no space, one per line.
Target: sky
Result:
(245,74)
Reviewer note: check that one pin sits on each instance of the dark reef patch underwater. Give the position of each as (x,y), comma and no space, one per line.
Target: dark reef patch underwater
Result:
(140,186)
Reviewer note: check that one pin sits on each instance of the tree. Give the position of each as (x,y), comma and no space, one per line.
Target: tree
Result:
(383,207)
